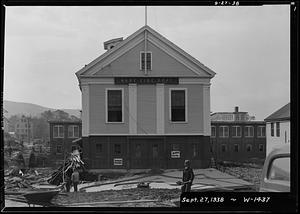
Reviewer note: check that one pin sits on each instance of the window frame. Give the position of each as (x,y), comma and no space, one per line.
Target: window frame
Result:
(96,151)
(235,132)
(261,127)
(277,129)
(223,146)
(236,146)
(263,147)
(249,132)
(250,146)
(57,149)
(63,132)
(272,129)
(73,132)
(223,136)
(212,131)
(115,146)
(141,58)
(106,104)
(186,104)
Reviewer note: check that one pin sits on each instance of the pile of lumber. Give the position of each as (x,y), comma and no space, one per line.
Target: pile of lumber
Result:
(66,169)
(16,179)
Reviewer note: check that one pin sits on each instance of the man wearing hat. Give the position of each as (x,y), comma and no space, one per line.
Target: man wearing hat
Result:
(187,177)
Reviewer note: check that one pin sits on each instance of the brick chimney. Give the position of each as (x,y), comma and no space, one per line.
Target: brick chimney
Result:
(236,109)
(112,43)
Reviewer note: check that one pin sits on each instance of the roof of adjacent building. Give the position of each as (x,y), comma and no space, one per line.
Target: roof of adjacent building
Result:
(240,112)
(65,121)
(239,122)
(281,114)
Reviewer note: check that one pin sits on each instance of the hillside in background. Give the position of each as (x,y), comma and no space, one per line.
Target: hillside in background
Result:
(18,108)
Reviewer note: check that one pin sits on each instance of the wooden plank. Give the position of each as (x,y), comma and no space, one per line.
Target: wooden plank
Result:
(109,202)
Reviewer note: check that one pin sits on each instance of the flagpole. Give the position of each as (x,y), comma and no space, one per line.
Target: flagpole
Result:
(145,50)
(145,15)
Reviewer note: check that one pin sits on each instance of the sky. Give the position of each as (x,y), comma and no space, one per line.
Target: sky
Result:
(247,47)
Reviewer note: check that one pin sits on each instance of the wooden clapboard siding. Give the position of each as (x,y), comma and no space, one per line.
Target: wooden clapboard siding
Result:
(162,64)
(194,111)
(97,113)
(146,109)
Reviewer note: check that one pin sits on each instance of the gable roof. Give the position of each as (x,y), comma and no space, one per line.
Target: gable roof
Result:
(129,39)
(281,114)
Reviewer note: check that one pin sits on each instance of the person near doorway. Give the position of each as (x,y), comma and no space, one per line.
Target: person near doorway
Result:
(75,179)
(187,177)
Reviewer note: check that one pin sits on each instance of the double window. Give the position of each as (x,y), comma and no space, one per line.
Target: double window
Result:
(236,131)
(73,131)
(249,131)
(178,107)
(114,105)
(224,131)
(58,131)
(148,60)
(261,131)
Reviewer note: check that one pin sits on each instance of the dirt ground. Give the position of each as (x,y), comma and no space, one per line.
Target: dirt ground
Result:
(163,196)
(247,172)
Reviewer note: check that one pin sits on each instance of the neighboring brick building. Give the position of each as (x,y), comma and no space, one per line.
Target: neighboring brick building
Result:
(145,104)
(238,141)
(64,136)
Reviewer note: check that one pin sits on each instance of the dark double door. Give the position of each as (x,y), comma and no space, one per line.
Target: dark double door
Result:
(147,153)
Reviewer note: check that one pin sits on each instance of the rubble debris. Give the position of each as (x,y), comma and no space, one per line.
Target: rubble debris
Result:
(73,161)
(16,179)
(143,185)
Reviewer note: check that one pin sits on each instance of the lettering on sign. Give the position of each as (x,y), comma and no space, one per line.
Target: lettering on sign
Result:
(175,154)
(118,161)
(146,80)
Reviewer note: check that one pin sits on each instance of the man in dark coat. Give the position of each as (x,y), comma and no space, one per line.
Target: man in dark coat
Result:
(187,177)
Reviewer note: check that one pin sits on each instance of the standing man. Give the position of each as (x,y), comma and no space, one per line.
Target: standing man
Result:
(187,177)
(75,179)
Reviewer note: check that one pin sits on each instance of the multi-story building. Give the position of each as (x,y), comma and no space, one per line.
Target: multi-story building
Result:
(238,141)
(63,138)
(24,129)
(278,128)
(145,104)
